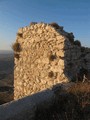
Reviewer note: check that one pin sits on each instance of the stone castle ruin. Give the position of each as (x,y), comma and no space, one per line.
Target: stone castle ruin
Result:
(46,55)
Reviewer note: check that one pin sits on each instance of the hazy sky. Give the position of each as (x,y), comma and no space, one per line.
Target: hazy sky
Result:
(74,15)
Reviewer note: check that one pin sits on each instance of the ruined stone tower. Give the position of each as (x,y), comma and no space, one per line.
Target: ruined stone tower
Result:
(44,56)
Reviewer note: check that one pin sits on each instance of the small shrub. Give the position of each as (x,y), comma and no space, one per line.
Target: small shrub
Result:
(51,74)
(70,36)
(52,57)
(16,47)
(77,42)
(16,56)
(82,49)
(33,23)
(55,25)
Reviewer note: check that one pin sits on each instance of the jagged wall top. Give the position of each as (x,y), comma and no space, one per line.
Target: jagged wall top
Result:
(53,27)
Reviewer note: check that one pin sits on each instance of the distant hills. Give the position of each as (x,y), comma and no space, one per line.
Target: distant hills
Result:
(6,55)
(6,64)
(6,52)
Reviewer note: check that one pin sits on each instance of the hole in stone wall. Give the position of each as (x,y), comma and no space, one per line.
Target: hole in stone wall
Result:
(51,74)
(52,57)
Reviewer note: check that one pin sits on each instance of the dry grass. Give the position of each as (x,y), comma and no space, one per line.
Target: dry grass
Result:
(82,93)
(73,105)
(6,97)
(80,87)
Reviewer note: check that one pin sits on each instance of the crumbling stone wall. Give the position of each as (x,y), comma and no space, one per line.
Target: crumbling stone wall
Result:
(45,56)
(85,59)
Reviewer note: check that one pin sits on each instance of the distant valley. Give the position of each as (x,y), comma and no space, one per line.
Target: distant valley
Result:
(6,76)
(6,64)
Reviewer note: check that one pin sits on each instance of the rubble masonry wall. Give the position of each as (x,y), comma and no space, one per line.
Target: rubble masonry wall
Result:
(47,57)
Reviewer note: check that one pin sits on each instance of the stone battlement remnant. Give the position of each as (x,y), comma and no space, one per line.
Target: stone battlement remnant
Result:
(45,55)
